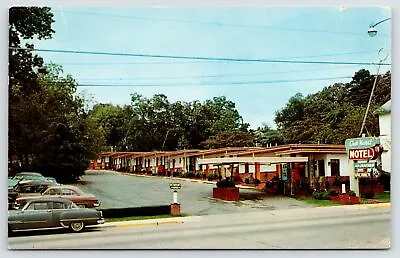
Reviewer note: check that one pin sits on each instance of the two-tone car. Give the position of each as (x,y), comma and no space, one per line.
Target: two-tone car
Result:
(26,188)
(69,192)
(50,212)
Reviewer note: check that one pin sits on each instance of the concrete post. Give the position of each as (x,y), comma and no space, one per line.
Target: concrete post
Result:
(353,180)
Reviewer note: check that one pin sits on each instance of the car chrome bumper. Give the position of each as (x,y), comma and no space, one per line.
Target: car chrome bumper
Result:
(100,221)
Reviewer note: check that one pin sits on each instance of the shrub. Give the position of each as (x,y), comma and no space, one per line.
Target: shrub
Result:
(327,185)
(255,181)
(247,181)
(352,193)
(175,174)
(237,179)
(333,193)
(212,176)
(321,195)
(225,183)
(368,195)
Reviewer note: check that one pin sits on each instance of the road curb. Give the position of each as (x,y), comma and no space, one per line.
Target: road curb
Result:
(379,205)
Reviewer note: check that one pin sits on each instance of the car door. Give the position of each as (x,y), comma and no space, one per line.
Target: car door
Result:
(72,195)
(37,215)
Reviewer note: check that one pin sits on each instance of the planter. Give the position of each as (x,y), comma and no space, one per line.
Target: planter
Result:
(371,189)
(345,199)
(226,193)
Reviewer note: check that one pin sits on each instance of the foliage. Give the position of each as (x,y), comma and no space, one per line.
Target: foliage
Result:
(225,183)
(212,176)
(265,136)
(383,197)
(352,193)
(49,130)
(335,113)
(156,124)
(229,139)
(188,175)
(368,195)
(333,192)
(321,195)
(311,200)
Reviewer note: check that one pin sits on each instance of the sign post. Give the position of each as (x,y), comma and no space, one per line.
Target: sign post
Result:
(175,206)
(175,186)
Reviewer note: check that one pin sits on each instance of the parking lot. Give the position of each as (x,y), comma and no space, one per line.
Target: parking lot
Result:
(118,190)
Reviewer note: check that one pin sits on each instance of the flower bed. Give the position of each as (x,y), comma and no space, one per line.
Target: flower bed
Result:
(226,193)
(345,199)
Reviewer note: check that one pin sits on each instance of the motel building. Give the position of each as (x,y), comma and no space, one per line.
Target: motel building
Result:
(306,166)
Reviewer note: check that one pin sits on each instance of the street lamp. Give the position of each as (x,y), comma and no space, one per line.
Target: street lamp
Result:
(372,30)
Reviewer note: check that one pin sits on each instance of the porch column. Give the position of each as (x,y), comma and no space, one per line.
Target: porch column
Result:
(207,169)
(278,170)
(257,171)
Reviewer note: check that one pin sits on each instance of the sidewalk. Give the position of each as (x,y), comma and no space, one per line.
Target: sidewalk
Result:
(181,220)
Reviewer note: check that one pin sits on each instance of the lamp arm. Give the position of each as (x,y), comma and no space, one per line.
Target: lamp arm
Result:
(380,22)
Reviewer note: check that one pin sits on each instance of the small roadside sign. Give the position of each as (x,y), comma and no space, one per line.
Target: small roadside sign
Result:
(175,186)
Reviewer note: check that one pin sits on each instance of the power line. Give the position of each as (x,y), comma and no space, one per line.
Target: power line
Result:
(212,23)
(212,83)
(203,76)
(205,61)
(199,58)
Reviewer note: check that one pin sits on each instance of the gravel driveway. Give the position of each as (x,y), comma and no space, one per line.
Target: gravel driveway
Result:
(118,190)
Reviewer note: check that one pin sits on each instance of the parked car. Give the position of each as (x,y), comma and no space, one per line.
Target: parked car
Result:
(12,183)
(69,192)
(52,180)
(29,176)
(52,212)
(26,188)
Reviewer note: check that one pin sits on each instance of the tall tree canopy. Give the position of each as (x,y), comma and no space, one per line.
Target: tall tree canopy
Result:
(156,124)
(49,130)
(335,113)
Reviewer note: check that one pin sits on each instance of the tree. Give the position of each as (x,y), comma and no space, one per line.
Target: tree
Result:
(229,139)
(335,113)
(25,23)
(265,136)
(111,121)
(290,119)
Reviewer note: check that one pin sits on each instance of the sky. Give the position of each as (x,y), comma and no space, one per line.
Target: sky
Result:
(256,57)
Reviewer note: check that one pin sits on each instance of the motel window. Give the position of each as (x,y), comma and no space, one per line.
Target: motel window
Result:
(321,167)
(180,160)
(335,167)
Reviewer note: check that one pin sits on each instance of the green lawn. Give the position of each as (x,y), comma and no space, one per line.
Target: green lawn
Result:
(383,197)
(311,200)
(138,218)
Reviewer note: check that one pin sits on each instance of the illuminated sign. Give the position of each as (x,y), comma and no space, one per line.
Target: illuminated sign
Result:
(361,154)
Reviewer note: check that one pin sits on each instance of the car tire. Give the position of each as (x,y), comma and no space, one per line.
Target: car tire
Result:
(77,226)
(10,232)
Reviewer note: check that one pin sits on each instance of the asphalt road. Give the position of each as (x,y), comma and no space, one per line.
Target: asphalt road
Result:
(117,190)
(339,227)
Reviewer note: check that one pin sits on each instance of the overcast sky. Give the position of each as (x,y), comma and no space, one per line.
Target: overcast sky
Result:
(253,37)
